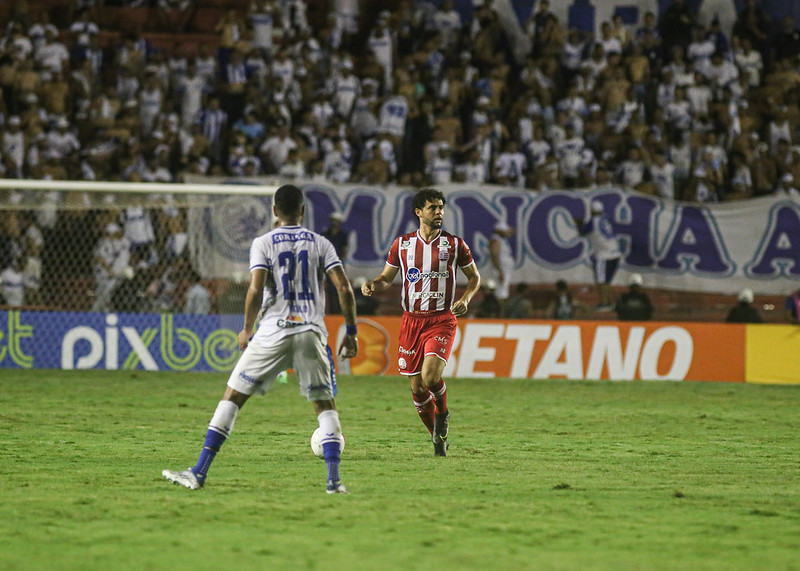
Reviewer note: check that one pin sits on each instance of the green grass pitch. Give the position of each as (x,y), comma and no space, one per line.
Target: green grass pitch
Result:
(541,475)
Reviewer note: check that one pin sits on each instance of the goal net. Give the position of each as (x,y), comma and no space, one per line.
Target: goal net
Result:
(126,247)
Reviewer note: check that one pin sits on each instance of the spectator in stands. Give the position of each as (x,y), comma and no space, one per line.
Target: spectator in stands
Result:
(52,55)
(111,258)
(675,26)
(786,186)
(340,238)
(544,29)
(744,311)
(128,297)
(207,64)
(753,23)
(264,19)
(12,283)
(605,252)
(213,123)
(502,259)
(197,300)
(275,149)
(792,306)
(563,305)
(741,178)
(190,89)
(231,87)
(634,304)
(519,305)
(489,306)
(786,44)
(230,28)
(12,146)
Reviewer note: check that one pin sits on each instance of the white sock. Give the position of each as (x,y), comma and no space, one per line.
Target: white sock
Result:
(224,417)
(329,424)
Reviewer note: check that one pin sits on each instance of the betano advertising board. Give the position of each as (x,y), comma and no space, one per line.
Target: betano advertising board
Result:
(619,351)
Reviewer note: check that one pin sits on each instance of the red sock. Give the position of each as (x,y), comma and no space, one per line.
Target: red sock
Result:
(439,392)
(425,409)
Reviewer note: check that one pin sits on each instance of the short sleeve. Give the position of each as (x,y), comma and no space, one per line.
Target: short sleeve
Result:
(328,255)
(258,256)
(393,259)
(464,256)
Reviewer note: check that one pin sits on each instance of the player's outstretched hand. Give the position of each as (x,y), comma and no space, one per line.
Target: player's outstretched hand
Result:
(460,308)
(348,348)
(368,287)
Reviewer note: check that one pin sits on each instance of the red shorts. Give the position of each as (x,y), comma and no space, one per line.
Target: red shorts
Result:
(422,335)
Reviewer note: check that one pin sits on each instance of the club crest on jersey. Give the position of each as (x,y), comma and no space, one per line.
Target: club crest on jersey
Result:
(413,275)
(444,254)
(405,244)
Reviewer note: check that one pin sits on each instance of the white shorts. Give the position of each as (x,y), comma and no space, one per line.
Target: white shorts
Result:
(305,352)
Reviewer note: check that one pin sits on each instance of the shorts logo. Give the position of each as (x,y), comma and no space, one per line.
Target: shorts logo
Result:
(401,362)
(248,379)
(413,275)
(441,339)
(405,351)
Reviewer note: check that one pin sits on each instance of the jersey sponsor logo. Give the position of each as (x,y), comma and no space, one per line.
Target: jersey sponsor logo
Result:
(405,351)
(291,321)
(427,295)
(444,243)
(413,275)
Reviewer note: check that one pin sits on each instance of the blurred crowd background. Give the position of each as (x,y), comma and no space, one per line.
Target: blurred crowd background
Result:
(384,93)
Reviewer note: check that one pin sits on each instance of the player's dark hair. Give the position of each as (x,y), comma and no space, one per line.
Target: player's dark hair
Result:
(428,195)
(288,200)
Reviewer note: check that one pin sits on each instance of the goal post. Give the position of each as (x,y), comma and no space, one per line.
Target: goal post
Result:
(126,246)
(235,187)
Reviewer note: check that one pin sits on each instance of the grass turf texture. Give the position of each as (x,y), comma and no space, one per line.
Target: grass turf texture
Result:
(560,474)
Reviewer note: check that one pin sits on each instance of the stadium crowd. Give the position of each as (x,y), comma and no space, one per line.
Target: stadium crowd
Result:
(412,95)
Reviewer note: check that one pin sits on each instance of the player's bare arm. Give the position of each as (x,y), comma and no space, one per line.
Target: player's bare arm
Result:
(461,306)
(380,283)
(252,305)
(348,348)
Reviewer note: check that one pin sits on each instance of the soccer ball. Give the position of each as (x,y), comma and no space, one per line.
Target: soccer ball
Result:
(316,443)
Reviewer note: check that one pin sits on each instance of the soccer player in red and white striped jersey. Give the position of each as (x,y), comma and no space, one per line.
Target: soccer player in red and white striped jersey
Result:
(428,259)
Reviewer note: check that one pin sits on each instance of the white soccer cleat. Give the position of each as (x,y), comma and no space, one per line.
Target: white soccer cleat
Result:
(185,478)
(336,487)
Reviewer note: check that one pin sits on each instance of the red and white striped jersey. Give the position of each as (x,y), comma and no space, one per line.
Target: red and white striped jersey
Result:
(428,269)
